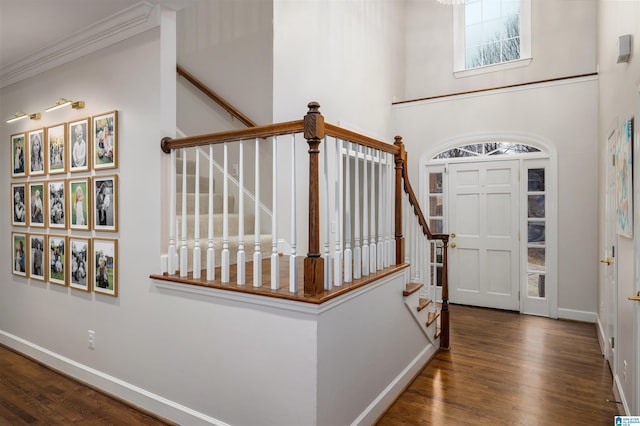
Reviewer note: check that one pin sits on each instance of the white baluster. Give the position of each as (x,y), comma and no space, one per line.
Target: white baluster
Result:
(171,255)
(365,215)
(225,261)
(326,219)
(357,252)
(241,256)
(372,242)
(183,233)
(293,262)
(381,218)
(387,212)
(211,254)
(348,254)
(257,255)
(337,256)
(196,228)
(275,261)
(392,202)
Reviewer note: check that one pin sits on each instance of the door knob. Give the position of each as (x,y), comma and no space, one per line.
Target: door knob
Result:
(453,245)
(453,235)
(608,261)
(636,297)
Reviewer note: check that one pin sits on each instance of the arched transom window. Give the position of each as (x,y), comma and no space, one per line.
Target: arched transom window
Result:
(487,149)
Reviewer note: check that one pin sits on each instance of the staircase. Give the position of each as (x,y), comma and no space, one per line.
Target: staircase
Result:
(424,310)
(218,218)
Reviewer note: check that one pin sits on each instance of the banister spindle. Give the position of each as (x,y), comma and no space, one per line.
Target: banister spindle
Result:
(372,233)
(257,255)
(326,218)
(225,261)
(241,256)
(275,261)
(381,218)
(211,264)
(171,256)
(196,226)
(293,262)
(357,252)
(365,215)
(313,263)
(387,210)
(183,232)
(348,254)
(337,256)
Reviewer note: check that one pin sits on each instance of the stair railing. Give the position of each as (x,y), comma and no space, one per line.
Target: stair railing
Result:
(356,188)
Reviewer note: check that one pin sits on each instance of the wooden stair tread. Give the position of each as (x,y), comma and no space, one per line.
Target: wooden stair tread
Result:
(432,317)
(411,288)
(423,303)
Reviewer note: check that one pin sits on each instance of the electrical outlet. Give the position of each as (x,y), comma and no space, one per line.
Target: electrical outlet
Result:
(92,339)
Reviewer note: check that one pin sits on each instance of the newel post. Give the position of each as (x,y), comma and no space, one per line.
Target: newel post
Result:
(314,263)
(400,159)
(444,321)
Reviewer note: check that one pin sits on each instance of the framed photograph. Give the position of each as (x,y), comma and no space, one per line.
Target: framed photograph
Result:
(78,206)
(18,149)
(19,259)
(18,204)
(624,179)
(37,270)
(79,149)
(56,215)
(57,259)
(36,161)
(105,269)
(56,148)
(105,140)
(37,207)
(80,265)
(105,203)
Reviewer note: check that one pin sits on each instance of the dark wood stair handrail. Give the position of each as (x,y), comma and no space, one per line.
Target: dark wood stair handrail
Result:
(215,97)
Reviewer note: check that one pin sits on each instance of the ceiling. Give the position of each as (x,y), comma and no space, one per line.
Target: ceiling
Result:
(27,26)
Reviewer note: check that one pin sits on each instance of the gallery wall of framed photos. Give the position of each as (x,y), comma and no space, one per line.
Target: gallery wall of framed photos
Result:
(64,204)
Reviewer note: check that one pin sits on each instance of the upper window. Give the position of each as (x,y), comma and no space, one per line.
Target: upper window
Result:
(488,33)
(487,149)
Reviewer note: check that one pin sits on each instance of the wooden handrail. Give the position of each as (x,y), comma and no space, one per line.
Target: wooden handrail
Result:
(349,135)
(215,97)
(167,144)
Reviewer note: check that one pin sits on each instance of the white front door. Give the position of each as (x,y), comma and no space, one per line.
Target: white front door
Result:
(484,229)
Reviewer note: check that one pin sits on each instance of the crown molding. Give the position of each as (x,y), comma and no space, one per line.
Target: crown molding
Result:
(120,26)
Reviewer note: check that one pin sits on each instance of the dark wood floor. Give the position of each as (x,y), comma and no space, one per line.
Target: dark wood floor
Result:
(505,368)
(31,394)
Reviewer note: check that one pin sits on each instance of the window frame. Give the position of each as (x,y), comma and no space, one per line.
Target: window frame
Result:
(459,60)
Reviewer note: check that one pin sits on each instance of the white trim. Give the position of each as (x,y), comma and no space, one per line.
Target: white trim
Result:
(384,400)
(576,315)
(135,395)
(273,302)
(618,393)
(118,27)
(601,337)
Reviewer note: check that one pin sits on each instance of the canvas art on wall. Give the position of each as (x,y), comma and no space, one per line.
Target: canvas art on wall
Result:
(624,180)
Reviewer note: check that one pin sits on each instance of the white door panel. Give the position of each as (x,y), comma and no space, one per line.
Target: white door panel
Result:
(484,219)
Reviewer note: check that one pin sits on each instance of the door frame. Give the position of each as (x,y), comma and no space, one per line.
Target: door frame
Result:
(635,397)
(548,153)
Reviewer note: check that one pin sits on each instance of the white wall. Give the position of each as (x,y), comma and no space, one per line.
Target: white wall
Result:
(563,44)
(564,115)
(151,343)
(618,97)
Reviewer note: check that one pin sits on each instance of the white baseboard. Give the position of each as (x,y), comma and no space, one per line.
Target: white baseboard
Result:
(619,395)
(575,315)
(602,340)
(136,396)
(391,392)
